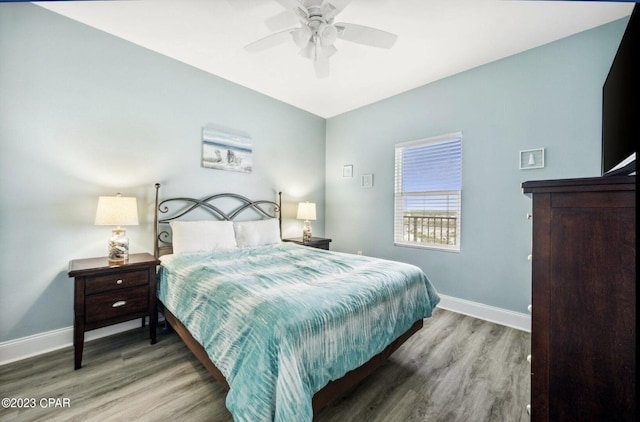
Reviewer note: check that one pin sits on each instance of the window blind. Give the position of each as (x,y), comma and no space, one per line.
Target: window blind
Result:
(428,186)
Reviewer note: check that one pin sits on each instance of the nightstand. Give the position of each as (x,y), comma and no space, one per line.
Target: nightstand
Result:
(107,293)
(315,242)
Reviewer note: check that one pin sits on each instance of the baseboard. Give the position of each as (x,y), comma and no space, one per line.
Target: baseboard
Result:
(500,316)
(25,347)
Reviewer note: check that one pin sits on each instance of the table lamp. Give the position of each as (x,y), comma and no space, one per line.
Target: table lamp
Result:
(306,212)
(117,211)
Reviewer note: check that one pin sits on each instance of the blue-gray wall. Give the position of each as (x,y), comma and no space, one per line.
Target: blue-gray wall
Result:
(547,97)
(84,114)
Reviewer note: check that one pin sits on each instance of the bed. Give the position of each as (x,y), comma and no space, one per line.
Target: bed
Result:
(285,328)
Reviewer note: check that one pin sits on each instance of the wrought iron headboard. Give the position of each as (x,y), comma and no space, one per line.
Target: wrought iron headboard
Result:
(162,244)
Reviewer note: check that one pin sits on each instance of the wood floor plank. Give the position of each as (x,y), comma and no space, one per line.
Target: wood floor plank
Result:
(457,368)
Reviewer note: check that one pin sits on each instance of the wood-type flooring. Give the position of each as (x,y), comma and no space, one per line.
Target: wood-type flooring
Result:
(457,368)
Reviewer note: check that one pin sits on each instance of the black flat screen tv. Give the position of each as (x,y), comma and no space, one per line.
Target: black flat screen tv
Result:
(620,103)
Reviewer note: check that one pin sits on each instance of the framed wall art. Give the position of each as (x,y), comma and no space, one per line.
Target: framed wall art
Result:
(226,151)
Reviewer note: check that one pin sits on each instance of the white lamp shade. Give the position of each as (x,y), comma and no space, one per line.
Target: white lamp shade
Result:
(306,211)
(117,211)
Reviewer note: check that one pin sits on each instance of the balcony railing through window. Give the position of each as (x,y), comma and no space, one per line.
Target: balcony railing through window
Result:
(440,230)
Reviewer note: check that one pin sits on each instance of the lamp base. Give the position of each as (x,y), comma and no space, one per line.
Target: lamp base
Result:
(306,232)
(118,246)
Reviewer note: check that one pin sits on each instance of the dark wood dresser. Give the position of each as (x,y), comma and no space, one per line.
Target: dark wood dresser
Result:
(583,320)
(106,293)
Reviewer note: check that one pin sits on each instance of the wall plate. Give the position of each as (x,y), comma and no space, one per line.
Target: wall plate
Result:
(532,159)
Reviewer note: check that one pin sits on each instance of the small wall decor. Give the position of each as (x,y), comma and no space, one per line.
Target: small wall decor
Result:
(367,181)
(347,171)
(224,150)
(532,159)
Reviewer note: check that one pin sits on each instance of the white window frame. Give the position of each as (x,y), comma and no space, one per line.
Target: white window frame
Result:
(434,227)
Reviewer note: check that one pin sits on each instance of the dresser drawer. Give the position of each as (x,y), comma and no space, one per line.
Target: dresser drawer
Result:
(108,305)
(121,280)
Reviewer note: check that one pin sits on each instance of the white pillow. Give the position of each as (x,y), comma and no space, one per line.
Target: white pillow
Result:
(202,236)
(257,232)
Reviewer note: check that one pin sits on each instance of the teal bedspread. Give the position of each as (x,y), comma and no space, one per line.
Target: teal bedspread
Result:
(281,321)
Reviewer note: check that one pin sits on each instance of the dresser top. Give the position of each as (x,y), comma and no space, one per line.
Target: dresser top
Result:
(593,184)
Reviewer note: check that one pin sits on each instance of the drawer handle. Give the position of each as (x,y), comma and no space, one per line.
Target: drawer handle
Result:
(529,358)
(119,281)
(119,304)
(530,308)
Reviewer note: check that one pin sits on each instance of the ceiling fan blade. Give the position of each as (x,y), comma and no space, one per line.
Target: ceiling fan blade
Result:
(296,6)
(244,4)
(278,22)
(288,4)
(321,67)
(365,35)
(330,8)
(321,58)
(270,41)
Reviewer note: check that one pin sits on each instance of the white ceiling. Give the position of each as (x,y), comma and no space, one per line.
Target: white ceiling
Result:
(436,38)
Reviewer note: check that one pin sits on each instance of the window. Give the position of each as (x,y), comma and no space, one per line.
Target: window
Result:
(428,186)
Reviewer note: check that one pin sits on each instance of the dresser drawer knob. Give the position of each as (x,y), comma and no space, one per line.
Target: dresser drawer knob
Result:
(529,308)
(529,409)
(119,281)
(119,304)
(529,358)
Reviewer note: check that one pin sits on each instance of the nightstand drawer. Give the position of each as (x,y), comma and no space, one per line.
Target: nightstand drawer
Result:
(122,280)
(324,245)
(105,306)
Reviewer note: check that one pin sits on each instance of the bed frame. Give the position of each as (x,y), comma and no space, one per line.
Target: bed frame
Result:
(265,209)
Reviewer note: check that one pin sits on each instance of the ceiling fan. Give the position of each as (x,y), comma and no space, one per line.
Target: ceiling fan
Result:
(317,31)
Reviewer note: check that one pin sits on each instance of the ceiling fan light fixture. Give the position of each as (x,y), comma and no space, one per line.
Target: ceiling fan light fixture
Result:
(326,51)
(308,51)
(301,36)
(328,34)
